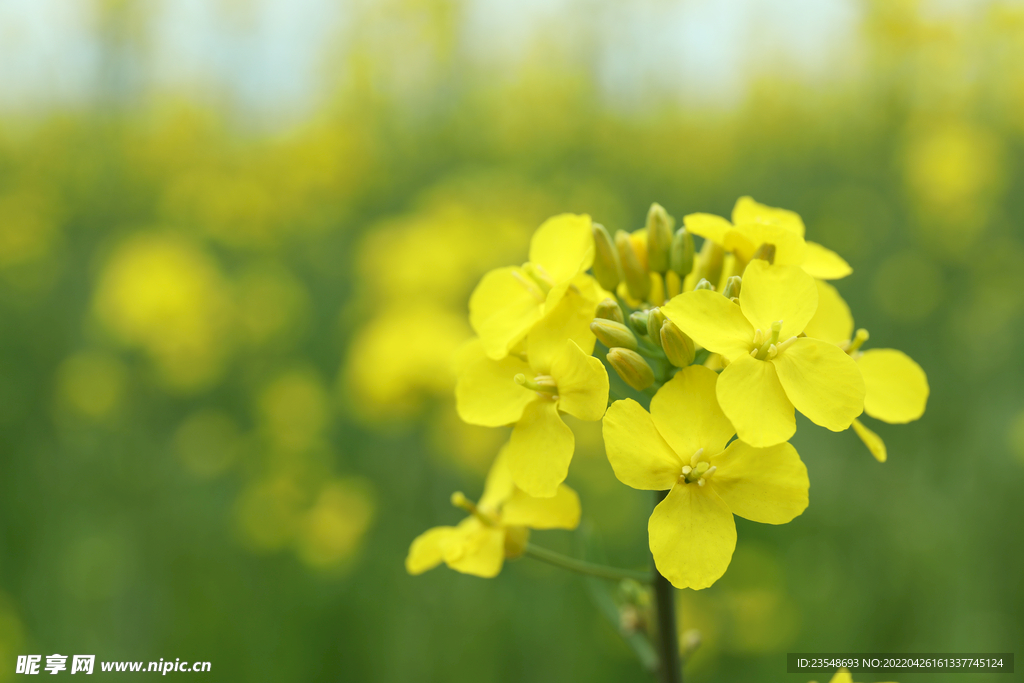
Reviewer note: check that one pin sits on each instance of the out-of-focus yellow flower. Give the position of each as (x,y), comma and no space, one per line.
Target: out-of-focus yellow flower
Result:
(895,387)
(555,374)
(680,446)
(163,294)
(497,528)
(770,370)
(754,224)
(509,301)
(208,442)
(92,383)
(387,375)
(331,531)
(293,410)
(842,676)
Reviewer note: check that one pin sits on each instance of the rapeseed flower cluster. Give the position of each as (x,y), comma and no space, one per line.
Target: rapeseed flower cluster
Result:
(696,361)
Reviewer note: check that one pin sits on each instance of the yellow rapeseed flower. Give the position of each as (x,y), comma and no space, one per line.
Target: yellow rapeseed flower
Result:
(498,526)
(842,676)
(509,301)
(754,224)
(770,370)
(680,446)
(895,387)
(556,374)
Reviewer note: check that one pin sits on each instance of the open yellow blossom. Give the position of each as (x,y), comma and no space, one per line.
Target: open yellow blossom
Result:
(498,526)
(895,387)
(754,224)
(680,446)
(842,676)
(770,370)
(509,301)
(555,375)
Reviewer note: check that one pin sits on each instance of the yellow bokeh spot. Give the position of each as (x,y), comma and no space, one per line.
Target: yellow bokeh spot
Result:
(273,306)
(268,513)
(401,356)
(91,383)
(27,228)
(207,443)
(331,531)
(164,295)
(293,410)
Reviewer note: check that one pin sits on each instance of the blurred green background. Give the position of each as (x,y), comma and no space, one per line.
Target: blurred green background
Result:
(236,244)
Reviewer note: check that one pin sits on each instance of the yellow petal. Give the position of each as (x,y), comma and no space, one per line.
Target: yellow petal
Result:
(832,320)
(747,210)
(540,449)
(745,239)
(708,226)
(872,441)
(498,487)
(638,453)
(570,318)
(772,293)
(427,550)
(896,387)
(713,321)
(687,415)
(692,536)
(503,308)
(753,399)
(582,383)
(563,246)
(822,381)
(562,511)
(475,548)
(486,393)
(842,676)
(824,264)
(767,485)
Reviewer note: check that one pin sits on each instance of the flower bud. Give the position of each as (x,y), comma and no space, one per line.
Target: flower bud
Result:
(655,319)
(613,334)
(632,368)
(681,253)
(609,310)
(516,539)
(659,238)
(678,347)
(732,287)
(704,284)
(710,262)
(637,281)
(638,321)
(606,266)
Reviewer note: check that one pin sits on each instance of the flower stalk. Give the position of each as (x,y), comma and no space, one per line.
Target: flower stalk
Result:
(666,638)
(580,567)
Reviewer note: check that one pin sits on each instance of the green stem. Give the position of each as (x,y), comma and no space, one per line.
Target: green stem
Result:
(581,567)
(666,638)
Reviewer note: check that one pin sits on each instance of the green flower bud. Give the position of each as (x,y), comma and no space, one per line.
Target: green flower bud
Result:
(613,334)
(609,310)
(638,321)
(632,368)
(681,253)
(655,319)
(704,284)
(677,346)
(607,269)
(637,281)
(732,287)
(659,238)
